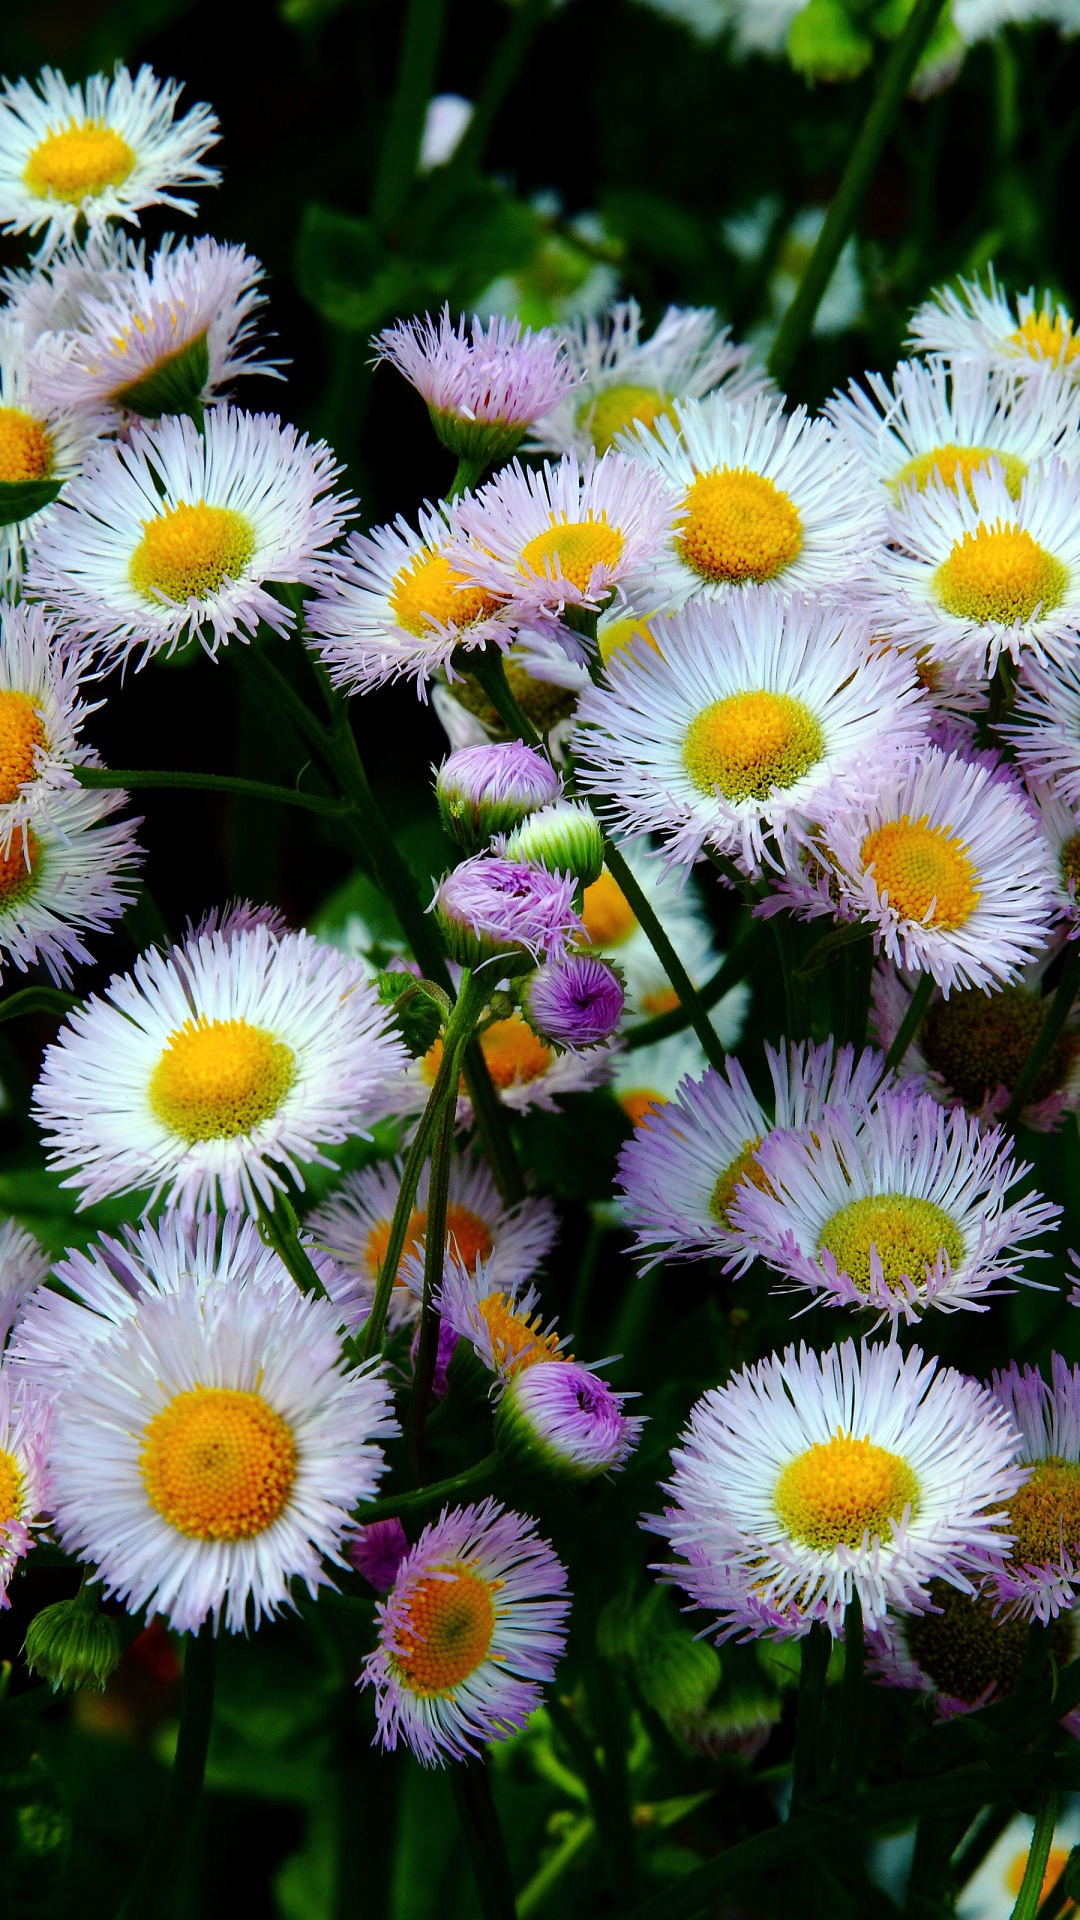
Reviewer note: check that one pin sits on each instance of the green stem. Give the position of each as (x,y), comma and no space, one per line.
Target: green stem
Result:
(796,992)
(506,64)
(1054,1019)
(689,999)
(132,778)
(896,74)
(847,1746)
(813,1667)
(36,1000)
(155,1876)
(467,474)
(487,667)
(574,1841)
(469,1480)
(911,1022)
(735,967)
(484,1838)
(986,1835)
(280,1229)
(421,40)
(1030,1894)
(489,1115)
(427,1350)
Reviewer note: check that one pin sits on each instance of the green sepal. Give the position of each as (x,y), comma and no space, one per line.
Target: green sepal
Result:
(419,1008)
(73,1644)
(21,499)
(175,385)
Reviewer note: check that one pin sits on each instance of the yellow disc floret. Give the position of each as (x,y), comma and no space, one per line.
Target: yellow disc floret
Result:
(1044,1517)
(955,466)
(26,451)
(18,867)
(618,409)
(428,593)
(11,1488)
(750,743)
(188,552)
(78,162)
(517,1341)
(1046,336)
(737,526)
(218,1463)
(22,732)
(927,872)
(465,1232)
(745,1166)
(220,1078)
(841,1489)
(513,1053)
(572,549)
(907,1233)
(1001,574)
(447,1627)
(607,913)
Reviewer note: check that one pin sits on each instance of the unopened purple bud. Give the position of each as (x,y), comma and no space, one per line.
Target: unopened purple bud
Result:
(575,1002)
(377,1552)
(561,1418)
(491,909)
(491,789)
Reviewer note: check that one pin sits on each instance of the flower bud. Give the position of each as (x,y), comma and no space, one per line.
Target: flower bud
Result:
(487,790)
(483,385)
(564,838)
(419,1008)
(576,1002)
(73,1644)
(377,1552)
(491,909)
(558,1418)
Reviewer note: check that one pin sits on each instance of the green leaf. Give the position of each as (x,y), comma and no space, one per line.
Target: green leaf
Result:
(21,499)
(174,385)
(346,270)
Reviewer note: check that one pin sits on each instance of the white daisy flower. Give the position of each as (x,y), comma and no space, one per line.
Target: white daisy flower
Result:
(178,534)
(762,498)
(971,322)
(212,1449)
(1039,1577)
(613,929)
(24,1452)
(160,340)
(41,714)
(1060,825)
(502,1322)
(899,1210)
(65,873)
(219,1067)
(553,538)
(646,1078)
(524,1071)
(1044,727)
(680,1172)
(811,1478)
(50,296)
(353,1225)
(944,862)
(393,606)
(972,573)
(24,1264)
(727,737)
(43,443)
(944,421)
(97,152)
(624,381)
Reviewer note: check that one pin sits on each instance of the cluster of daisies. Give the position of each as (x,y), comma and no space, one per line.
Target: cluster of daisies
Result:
(832,662)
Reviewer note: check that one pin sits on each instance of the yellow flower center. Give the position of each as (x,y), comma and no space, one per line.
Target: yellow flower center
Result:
(955,466)
(22,732)
(447,1628)
(218,1464)
(516,1341)
(1045,336)
(189,552)
(428,593)
(572,549)
(617,409)
(1044,1517)
(743,1167)
(1002,574)
(18,867)
(219,1078)
(11,1494)
(737,526)
(664,1000)
(78,162)
(907,1233)
(619,634)
(841,1489)
(1056,1861)
(750,743)
(926,872)
(465,1233)
(640,1102)
(513,1053)
(608,916)
(980,1041)
(25,446)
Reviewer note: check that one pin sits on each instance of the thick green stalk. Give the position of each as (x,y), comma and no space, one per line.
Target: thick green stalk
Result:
(689,999)
(1030,1894)
(469,1480)
(911,1022)
(506,64)
(421,40)
(1054,1019)
(153,1882)
(280,1229)
(427,1349)
(132,778)
(840,220)
(796,990)
(467,473)
(813,1667)
(847,1744)
(484,1838)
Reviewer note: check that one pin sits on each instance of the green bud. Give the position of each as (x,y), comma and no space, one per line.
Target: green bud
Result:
(824,44)
(419,1008)
(175,385)
(565,838)
(73,1644)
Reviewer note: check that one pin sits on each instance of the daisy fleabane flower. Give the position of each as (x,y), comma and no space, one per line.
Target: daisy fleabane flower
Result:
(216,1069)
(495,912)
(575,1002)
(50,295)
(24,1450)
(503,1322)
(726,738)
(211,1450)
(525,1071)
(469,1633)
(43,442)
(393,606)
(944,863)
(484,385)
(176,534)
(41,715)
(625,381)
(681,1171)
(68,869)
(1044,726)
(971,322)
(24,1264)
(97,152)
(1039,1576)
(900,1210)
(972,573)
(161,339)
(964,1652)
(815,1476)
(571,535)
(761,497)
(566,1421)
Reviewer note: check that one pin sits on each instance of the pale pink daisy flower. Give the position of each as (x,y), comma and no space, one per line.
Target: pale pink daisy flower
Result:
(484,385)
(25,1416)
(1039,1576)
